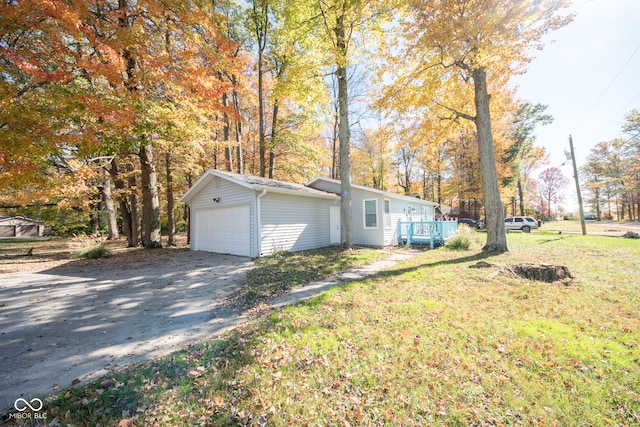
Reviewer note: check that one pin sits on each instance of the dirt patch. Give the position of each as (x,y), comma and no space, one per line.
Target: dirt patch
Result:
(47,253)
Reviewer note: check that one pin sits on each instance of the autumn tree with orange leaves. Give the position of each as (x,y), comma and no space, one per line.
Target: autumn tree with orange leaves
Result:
(86,82)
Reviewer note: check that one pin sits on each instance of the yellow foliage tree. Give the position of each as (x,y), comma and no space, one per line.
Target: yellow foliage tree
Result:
(464,50)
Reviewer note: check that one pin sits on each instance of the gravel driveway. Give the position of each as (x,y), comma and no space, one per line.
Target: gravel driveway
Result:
(72,323)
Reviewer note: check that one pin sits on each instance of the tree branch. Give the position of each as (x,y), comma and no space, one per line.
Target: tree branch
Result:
(456,113)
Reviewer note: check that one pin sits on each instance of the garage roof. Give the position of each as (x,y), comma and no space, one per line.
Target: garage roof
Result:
(18,220)
(256,183)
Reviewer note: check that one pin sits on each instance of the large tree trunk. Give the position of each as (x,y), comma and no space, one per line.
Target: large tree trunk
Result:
(124,21)
(150,200)
(112,223)
(344,136)
(262,142)
(496,235)
(171,223)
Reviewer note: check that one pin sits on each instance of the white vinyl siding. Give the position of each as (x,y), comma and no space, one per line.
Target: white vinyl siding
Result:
(361,235)
(379,236)
(294,223)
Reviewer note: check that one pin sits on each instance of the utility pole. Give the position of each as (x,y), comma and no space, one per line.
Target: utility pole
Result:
(575,175)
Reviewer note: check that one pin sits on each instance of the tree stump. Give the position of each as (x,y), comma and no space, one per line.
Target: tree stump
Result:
(481,264)
(542,272)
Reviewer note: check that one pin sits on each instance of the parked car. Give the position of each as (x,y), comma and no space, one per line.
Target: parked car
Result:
(523,223)
(470,222)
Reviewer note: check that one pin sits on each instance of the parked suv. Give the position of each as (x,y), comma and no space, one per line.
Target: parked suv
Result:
(524,223)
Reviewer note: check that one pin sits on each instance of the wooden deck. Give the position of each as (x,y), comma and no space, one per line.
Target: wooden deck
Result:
(432,233)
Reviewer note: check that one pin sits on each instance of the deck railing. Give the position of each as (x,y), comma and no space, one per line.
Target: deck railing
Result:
(422,232)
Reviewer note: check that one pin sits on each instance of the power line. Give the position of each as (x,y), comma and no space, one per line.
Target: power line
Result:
(615,115)
(611,83)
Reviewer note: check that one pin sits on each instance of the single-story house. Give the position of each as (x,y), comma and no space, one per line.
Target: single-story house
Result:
(20,226)
(253,216)
(376,213)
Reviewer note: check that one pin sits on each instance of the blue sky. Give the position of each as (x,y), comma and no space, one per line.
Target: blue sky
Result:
(589,76)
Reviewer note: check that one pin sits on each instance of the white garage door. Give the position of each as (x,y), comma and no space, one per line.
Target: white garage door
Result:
(224,230)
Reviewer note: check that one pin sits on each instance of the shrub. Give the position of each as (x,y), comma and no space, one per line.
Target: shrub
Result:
(463,240)
(94,252)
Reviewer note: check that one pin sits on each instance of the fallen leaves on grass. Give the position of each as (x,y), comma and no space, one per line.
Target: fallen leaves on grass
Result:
(430,344)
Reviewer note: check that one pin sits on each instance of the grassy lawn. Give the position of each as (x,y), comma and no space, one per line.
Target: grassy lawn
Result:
(284,270)
(592,226)
(428,342)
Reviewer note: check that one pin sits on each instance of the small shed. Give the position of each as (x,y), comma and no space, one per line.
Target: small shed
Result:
(20,226)
(253,216)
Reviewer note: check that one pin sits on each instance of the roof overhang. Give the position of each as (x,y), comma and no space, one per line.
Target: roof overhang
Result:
(210,174)
(386,194)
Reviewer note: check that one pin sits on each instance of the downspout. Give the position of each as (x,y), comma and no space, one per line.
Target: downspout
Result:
(259,215)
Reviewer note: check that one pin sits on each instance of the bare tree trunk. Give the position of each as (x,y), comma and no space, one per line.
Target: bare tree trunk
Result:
(112,223)
(238,126)
(272,145)
(439,186)
(133,208)
(171,223)
(226,132)
(496,234)
(123,200)
(334,156)
(186,215)
(150,200)
(344,135)
(94,216)
(521,197)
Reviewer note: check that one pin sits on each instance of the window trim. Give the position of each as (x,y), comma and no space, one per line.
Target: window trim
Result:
(364,214)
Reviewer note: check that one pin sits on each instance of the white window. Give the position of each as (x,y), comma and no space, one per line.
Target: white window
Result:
(370,213)
(387,213)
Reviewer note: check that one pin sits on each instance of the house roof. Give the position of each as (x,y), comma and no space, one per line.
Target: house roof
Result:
(18,219)
(256,183)
(386,194)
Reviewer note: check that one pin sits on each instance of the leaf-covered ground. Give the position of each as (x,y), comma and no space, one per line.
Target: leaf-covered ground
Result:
(284,270)
(428,342)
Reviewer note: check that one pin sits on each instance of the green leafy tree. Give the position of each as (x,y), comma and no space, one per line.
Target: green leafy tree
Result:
(524,156)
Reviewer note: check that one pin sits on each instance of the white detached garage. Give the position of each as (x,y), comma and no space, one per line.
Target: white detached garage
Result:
(252,216)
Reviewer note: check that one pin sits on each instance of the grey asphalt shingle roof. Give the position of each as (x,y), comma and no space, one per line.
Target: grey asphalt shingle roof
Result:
(274,183)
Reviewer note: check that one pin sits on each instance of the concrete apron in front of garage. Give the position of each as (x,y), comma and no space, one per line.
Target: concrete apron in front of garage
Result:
(73,324)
